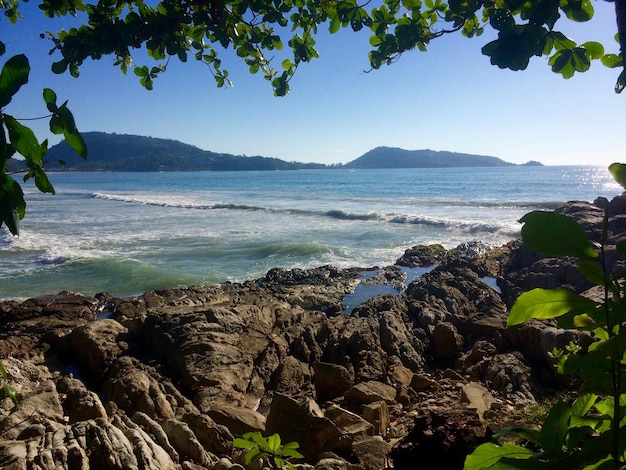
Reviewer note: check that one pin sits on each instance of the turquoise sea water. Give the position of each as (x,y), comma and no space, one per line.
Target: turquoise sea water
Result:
(126,233)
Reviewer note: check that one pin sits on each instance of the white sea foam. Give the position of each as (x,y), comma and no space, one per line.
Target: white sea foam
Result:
(126,233)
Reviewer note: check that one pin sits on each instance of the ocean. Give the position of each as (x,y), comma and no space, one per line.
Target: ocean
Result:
(127,233)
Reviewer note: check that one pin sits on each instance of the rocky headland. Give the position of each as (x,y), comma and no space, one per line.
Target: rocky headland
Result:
(421,374)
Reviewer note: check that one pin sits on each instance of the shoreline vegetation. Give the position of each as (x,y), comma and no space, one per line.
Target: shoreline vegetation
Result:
(120,152)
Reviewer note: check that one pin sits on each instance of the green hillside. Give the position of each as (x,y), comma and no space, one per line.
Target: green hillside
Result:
(120,152)
(388,157)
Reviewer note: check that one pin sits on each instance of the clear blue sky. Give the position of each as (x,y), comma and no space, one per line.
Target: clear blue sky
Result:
(449,98)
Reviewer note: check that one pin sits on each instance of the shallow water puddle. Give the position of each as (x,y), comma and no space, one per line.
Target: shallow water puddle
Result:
(103,315)
(491,282)
(366,291)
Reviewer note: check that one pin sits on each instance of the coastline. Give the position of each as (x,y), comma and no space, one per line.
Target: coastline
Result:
(424,371)
(278,354)
(131,233)
(244,357)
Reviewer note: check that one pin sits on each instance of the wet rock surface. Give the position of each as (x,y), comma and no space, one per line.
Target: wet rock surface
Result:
(168,379)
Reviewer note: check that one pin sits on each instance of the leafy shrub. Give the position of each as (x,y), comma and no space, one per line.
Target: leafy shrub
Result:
(271,448)
(588,433)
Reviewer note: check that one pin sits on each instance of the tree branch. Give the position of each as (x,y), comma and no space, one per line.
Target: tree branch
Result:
(620,15)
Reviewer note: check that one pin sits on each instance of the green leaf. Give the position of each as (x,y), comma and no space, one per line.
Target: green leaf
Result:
(12,394)
(618,172)
(577,10)
(501,19)
(606,407)
(59,67)
(253,455)
(611,61)
(23,140)
(41,180)
(593,272)
(244,443)
(594,50)
(556,235)
(291,452)
(488,455)
(3,371)
(560,41)
(50,97)
(543,303)
(12,204)
(583,404)
(258,439)
(273,443)
(595,369)
(14,74)
(584,322)
(528,434)
(62,122)
(291,445)
(555,427)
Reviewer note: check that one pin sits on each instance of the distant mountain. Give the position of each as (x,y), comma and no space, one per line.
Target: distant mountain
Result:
(121,152)
(389,157)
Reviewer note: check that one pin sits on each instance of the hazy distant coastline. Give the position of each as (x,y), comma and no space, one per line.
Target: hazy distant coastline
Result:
(122,152)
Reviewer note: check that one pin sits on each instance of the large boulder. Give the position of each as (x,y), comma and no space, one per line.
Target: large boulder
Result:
(422,256)
(331,380)
(23,325)
(293,420)
(100,344)
(132,388)
(460,297)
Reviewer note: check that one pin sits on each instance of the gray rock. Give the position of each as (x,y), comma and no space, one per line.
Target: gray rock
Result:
(150,455)
(507,374)
(293,420)
(156,432)
(238,420)
(370,392)
(186,444)
(292,376)
(100,344)
(80,404)
(348,423)
(422,255)
(331,464)
(477,397)
(377,413)
(37,394)
(133,390)
(372,452)
(330,380)
(214,437)
(421,382)
(447,341)
(457,295)
(87,445)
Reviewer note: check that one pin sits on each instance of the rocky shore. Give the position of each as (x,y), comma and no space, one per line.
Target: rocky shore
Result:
(422,374)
